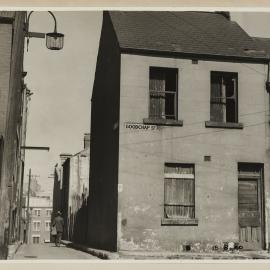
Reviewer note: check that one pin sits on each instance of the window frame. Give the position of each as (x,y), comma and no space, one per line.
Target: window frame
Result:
(48,212)
(222,124)
(181,220)
(47,228)
(37,212)
(34,236)
(160,120)
(38,229)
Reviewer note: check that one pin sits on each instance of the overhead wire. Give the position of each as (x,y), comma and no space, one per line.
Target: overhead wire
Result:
(192,135)
(189,124)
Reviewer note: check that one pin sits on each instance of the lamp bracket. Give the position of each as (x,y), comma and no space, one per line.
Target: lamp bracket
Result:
(35,35)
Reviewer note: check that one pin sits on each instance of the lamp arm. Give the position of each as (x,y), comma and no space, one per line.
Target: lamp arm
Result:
(27,22)
(28,18)
(55,23)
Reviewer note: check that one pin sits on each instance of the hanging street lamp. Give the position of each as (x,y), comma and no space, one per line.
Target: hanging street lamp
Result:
(54,40)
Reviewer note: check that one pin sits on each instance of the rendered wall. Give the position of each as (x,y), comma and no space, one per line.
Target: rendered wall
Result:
(143,154)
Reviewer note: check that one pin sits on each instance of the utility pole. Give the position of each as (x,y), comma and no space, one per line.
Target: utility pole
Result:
(29,188)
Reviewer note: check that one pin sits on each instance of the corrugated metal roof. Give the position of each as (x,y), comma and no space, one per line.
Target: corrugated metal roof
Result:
(203,33)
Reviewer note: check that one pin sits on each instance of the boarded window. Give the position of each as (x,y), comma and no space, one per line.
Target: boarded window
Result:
(179,191)
(163,93)
(223,97)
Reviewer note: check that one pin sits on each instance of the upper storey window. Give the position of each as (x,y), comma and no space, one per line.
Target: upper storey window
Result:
(224,97)
(224,100)
(163,93)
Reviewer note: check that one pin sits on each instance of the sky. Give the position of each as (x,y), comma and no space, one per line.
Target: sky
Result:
(62,81)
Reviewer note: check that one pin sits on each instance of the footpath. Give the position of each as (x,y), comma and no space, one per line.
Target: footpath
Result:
(146,255)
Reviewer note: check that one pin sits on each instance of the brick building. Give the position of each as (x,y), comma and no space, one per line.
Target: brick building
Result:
(40,219)
(13,112)
(179,134)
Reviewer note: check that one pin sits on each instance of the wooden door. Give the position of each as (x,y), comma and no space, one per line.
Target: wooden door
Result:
(250,213)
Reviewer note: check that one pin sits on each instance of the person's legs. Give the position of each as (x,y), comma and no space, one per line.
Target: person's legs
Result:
(59,238)
(56,239)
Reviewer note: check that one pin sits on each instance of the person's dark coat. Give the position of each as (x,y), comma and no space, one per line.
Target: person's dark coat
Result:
(59,224)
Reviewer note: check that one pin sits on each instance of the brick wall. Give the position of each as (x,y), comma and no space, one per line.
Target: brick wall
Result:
(11,49)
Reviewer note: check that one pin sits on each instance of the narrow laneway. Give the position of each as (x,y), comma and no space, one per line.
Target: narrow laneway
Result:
(49,251)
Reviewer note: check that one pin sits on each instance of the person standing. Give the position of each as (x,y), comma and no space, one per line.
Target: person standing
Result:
(59,225)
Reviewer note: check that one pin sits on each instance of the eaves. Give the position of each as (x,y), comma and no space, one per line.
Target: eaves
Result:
(195,56)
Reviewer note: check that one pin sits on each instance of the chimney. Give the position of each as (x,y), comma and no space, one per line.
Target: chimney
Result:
(86,140)
(226,14)
(64,157)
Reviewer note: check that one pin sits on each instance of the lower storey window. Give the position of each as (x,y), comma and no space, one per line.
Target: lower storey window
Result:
(179,191)
(36,239)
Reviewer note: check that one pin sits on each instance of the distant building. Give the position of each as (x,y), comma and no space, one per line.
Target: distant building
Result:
(71,192)
(40,219)
(13,112)
(58,183)
(179,134)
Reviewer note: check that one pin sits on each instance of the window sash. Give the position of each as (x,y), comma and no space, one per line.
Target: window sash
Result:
(179,198)
(185,169)
(47,225)
(179,175)
(36,226)
(161,96)
(223,108)
(158,103)
(37,212)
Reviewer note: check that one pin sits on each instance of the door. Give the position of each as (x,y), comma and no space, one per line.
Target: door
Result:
(250,217)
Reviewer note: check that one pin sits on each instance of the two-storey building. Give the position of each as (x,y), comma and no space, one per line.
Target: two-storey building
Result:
(39,220)
(179,134)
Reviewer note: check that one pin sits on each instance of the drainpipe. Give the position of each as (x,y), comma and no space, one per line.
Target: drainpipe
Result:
(267,86)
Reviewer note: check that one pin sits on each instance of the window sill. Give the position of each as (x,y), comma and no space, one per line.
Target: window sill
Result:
(211,124)
(180,221)
(163,122)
